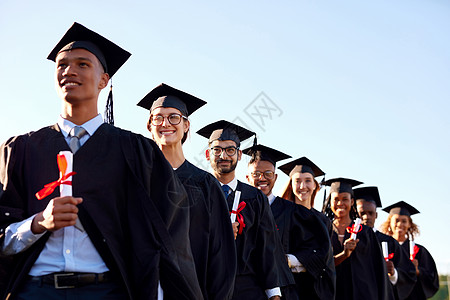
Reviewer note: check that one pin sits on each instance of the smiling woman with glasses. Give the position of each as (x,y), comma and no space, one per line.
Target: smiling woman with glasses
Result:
(211,236)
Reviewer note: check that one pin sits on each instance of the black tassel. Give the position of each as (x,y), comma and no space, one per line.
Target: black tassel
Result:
(109,117)
(324,204)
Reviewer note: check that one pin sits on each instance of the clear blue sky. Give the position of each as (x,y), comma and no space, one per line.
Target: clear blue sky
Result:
(360,87)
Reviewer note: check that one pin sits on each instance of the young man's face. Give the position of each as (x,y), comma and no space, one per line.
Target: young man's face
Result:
(223,163)
(261,175)
(79,76)
(367,211)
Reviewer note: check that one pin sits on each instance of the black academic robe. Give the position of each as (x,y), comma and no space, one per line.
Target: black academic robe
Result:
(363,274)
(305,236)
(405,268)
(325,221)
(134,208)
(211,233)
(428,280)
(261,263)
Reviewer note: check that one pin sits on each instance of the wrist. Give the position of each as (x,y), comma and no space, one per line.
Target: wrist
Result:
(36,226)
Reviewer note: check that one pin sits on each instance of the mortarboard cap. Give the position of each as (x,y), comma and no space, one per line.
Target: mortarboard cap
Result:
(111,56)
(401,208)
(166,96)
(369,194)
(301,165)
(265,153)
(342,185)
(223,130)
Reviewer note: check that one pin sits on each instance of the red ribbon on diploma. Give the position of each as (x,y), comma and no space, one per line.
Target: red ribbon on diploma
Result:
(239,216)
(50,187)
(413,256)
(390,256)
(351,229)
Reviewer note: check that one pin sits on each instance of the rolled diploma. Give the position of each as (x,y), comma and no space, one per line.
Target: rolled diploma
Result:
(65,189)
(237,196)
(384,246)
(356,228)
(411,249)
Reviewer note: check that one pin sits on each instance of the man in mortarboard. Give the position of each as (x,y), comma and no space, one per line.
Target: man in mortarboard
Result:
(120,228)
(261,267)
(401,227)
(400,269)
(305,239)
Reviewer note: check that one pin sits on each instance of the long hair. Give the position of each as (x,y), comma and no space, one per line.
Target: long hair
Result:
(288,192)
(412,231)
(329,213)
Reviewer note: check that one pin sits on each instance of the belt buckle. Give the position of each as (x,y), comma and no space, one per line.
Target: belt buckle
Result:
(56,277)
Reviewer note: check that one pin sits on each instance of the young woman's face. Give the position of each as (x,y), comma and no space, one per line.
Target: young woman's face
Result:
(303,186)
(400,224)
(341,204)
(166,133)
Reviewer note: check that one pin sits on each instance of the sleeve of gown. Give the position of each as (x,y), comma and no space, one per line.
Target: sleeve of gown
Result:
(273,265)
(385,290)
(165,194)
(222,261)
(310,243)
(11,200)
(405,269)
(428,277)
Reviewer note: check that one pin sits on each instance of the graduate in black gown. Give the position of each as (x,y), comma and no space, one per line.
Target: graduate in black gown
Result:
(360,266)
(401,271)
(126,226)
(261,265)
(211,233)
(303,233)
(400,226)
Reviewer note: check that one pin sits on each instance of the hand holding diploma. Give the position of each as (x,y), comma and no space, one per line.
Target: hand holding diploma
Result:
(60,211)
(389,264)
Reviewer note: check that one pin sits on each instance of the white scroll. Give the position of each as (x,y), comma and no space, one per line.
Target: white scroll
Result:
(237,197)
(66,189)
(356,227)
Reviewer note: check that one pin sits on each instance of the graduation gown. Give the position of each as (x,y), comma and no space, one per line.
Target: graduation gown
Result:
(305,236)
(428,280)
(363,274)
(211,233)
(261,263)
(325,221)
(134,209)
(405,268)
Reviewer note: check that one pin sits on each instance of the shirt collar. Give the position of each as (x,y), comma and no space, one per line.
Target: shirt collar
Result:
(271,198)
(90,126)
(232,184)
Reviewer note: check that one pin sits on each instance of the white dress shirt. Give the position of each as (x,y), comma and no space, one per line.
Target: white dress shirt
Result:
(68,249)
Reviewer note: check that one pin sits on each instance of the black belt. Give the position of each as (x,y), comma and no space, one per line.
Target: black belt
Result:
(72,280)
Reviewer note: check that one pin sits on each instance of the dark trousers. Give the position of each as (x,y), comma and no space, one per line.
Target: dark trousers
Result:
(35,290)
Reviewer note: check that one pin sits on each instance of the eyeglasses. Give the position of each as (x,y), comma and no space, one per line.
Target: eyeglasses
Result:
(230,151)
(174,119)
(267,174)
